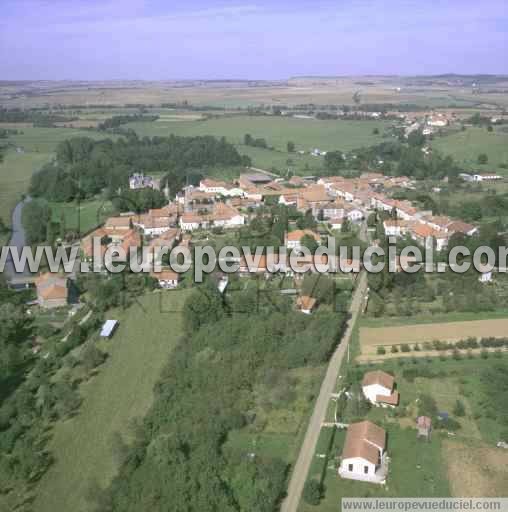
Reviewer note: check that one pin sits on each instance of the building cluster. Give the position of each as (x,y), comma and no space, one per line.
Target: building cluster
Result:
(138,181)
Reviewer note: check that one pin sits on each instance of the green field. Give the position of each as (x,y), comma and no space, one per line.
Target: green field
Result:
(466,146)
(122,391)
(81,218)
(37,148)
(15,172)
(307,134)
(404,479)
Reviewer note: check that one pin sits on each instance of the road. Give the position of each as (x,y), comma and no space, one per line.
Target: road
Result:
(301,468)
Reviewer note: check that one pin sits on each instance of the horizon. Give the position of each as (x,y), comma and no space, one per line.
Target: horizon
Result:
(151,41)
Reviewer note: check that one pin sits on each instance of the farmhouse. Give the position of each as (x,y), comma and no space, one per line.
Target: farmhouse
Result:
(363,456)
(52,291)
(167,279)
(377,386)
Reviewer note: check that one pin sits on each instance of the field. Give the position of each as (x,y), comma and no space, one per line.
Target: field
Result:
(307,134)
(371,337)
(15,172)
(303,90)
(81,218)
(37,148)
(121,392)
(466,146)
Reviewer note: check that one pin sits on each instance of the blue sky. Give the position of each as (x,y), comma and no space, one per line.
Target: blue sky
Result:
(158,40)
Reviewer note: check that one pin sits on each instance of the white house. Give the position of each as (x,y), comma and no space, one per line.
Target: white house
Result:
(377,386)
(486,176)
(363,456)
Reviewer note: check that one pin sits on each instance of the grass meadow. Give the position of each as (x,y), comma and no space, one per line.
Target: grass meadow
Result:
(466,146)
(307,134)
(121,392)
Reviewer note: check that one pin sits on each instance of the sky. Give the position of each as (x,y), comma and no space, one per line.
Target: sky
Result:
(249,39)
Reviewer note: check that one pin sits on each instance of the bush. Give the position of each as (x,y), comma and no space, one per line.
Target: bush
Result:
(416,348)
(484,354)
(394,349)
(459,409)
(405,347)
(381,351)
(313,492)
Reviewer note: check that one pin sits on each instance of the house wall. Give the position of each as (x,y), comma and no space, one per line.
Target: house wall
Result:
(359,464)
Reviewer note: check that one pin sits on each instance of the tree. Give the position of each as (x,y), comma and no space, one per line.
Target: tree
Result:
(290,147)
(313,492)
(375,131)
(247,139)
(483,158)
(35,217)
(309,242)
(489,128)
(346,226)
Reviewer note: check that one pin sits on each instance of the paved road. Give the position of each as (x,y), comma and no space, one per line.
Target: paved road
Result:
(308,448)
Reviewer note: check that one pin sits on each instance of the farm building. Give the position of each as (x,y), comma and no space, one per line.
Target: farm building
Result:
(364,456)
(52,290)
(108,328)
(378,388)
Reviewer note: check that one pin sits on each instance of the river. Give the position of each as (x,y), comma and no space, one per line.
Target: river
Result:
(18,239)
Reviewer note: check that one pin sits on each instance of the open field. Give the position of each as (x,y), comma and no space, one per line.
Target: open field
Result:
(121,392)
(83,217)
(466,146)
(15,172)
(307,134)
(38,147)
(371,337)
(475,469)
(303,90)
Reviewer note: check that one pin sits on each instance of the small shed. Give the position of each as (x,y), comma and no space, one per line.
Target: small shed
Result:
(424,426)
(108,328)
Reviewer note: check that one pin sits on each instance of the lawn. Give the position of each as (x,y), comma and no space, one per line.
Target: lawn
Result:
(466,146)
(122,391)
(81,218)
(416,469)
(305,133)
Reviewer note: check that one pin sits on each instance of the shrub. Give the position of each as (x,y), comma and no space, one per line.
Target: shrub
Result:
(459,409)
(394,349)
(312,492)
(381,351)
(456,354)
(417,347)
(405,347)
(484,354)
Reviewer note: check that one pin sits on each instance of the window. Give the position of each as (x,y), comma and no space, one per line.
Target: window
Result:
(350,468)
(366,469)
